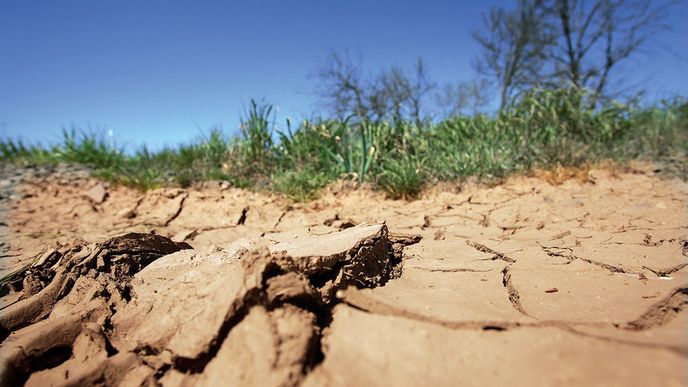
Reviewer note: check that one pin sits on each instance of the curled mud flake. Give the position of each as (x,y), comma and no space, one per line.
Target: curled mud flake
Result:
(47,343)
(122,256)
(37,307)
(328,253)
(130,253)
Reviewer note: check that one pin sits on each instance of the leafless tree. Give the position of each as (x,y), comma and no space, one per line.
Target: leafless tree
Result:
(564,43)
(592,39)
(341,86)
(514,46)
(390,94)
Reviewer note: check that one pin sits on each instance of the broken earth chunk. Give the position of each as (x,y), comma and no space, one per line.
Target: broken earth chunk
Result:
(141,308)
(362,256)
(176,292)
(121,256)
(400,241)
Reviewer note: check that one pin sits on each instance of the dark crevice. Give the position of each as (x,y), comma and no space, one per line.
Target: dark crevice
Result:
(323,319)
(109,348)
(51,358)
(35,362)
(494,328)
(514,296)
(279,220)
(320,278)
(107,330)
(242,218)
(176,214)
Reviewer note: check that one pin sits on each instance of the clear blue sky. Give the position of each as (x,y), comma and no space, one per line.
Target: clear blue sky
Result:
(161,72)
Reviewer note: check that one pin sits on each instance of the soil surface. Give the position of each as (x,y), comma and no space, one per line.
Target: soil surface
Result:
(535,281)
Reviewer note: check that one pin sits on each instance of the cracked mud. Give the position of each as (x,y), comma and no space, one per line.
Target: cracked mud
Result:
(523,283)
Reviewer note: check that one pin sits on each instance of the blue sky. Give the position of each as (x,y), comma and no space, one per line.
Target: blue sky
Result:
(163,72)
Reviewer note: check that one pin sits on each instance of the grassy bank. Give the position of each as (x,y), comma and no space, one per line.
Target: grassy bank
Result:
(544,129)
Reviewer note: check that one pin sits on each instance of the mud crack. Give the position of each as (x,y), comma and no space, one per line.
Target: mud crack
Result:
(666,272)
(485,249)
(514,296)
(177,212)
(454,270)
(567,253)
(661,312)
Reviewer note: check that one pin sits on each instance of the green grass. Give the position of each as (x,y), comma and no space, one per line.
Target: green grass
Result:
(543,129)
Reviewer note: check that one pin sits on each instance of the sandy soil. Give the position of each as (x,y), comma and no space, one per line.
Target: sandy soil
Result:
(530,282)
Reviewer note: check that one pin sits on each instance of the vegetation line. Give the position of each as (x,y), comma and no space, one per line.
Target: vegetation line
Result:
(542,129)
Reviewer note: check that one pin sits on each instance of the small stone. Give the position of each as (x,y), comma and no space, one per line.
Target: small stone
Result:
(97,194)
(552,290)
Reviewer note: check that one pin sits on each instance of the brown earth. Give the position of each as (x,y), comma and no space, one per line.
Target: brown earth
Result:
(535,281)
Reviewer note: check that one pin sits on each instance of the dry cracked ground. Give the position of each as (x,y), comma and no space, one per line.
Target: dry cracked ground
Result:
(530,282)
